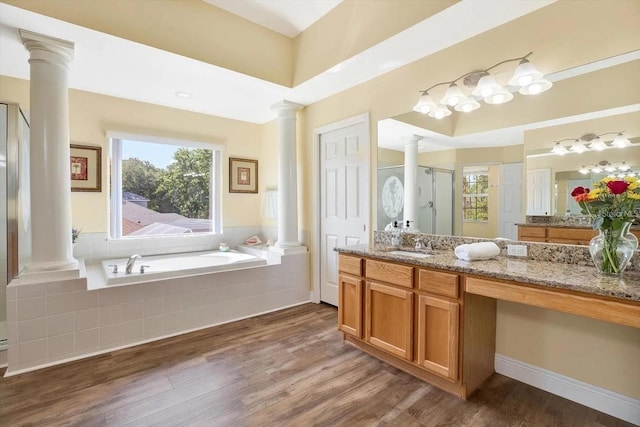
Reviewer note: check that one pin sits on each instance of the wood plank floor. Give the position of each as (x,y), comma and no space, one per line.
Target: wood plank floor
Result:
(288,368)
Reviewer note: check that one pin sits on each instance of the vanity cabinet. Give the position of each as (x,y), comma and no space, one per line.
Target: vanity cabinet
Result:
(389,319)
(438,336)
(350,285)
(563,235)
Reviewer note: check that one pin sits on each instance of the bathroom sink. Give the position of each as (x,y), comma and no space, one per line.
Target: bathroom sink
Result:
(410,254)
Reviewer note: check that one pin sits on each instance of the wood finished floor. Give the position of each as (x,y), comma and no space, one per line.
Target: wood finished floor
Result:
(288,368)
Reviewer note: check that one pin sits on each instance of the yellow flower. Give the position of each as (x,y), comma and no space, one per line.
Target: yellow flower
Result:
(594,193)
(608,179)
(634,196)
(633,186)
(631,179)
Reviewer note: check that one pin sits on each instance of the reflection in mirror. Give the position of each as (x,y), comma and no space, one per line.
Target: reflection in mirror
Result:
(502,138)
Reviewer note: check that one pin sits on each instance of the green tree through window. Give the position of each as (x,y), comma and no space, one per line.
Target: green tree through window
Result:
(475,194)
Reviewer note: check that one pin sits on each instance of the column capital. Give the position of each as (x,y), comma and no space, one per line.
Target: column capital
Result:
(286,108)
(47,49)
(413,139)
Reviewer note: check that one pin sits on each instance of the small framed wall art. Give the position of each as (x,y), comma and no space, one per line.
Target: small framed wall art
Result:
(243,175)
(86,168)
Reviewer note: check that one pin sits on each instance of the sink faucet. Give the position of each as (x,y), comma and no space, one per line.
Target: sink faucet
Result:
(130,262)
(421,245)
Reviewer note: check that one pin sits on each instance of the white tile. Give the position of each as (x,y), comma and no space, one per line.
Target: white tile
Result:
(172,303)
(194,299)
(132,311)
(110,336)
(30,291)
(110,315)
(132,331)
(12,333)
(173,322)
(31,308)
(12,293)
(65,287)
(131,293)
(171,287)
(209,315)
(60,324)
(87,319)
(153,327)
(12,311)
(61,346)
(191,318)
(32,353)
(153,307)
(151,290)
(59,304)
(33,329)
(87,341)
(85,300)
(110,296)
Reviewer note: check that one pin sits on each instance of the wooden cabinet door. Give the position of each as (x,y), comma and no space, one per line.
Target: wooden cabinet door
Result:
(389,319)
(438,336)
(350,305)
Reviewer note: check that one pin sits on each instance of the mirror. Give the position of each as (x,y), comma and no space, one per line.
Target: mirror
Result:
(510,141)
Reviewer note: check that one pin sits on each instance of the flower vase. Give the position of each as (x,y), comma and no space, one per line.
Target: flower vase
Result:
(612,249)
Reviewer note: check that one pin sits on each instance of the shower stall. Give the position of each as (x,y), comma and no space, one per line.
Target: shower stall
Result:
(435,198)
(15,213)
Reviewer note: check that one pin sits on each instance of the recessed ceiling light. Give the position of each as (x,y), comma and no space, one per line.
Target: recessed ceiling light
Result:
(183,95)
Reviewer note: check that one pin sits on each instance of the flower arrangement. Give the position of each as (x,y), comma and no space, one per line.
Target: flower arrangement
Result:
(612,204)
(75,233)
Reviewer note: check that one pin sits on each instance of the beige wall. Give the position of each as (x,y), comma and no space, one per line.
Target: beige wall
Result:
(91,115)
(563,44)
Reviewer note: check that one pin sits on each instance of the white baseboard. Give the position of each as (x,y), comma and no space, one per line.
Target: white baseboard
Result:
(609,402)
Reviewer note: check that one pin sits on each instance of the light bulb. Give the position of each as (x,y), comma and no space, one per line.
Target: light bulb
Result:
(536,87)
(440,112)
(610,168)
(598,144)
(583,170)
(578,147)
(620,141)
(559,149)
(597,169)
(623,167)
(525,74)
(425,104)
(499,97)
(453,96)
(467,105)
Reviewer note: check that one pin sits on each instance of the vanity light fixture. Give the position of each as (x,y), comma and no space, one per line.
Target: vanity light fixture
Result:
(596,143)
(604,165)
(527,80)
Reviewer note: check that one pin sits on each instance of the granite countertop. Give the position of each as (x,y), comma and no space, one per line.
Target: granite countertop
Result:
(549,274)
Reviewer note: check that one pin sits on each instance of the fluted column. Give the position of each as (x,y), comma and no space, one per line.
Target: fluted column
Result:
(411,180)
(50,169)
(287,175)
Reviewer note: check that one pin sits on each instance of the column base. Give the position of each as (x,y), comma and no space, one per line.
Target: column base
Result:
(52,272)
(288,250)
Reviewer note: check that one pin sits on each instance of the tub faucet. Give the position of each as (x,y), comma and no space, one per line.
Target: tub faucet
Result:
(130,262)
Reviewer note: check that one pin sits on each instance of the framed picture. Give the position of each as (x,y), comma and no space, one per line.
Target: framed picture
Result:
(243,175)
(86,168)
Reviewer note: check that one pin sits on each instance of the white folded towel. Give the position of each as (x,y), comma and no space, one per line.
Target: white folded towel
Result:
(477,251)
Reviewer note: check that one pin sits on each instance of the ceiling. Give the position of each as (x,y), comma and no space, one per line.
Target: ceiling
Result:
(122,68)
(287,17)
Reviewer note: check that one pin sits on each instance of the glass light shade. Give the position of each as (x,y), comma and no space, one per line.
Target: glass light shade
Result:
(499,97)
(578,147)
(525,74)
(598,144)
(453,96)
(597,169)
(559,149)
(425,104)
(466,105)
(536,87)
(623,167)
(487,86)
(583,170)
(610,168)
(631,174)
(440,112)
(620,141)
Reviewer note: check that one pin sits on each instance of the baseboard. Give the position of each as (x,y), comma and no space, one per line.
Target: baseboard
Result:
(609,402)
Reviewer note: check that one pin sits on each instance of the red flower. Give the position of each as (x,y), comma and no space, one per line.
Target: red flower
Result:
(579,190)
(617,187)
(584,197)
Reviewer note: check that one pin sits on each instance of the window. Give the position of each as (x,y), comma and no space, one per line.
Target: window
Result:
(163,187)
(475,189)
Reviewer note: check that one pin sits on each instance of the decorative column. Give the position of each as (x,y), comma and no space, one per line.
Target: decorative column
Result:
(287,177)
(50,170)
(411,181)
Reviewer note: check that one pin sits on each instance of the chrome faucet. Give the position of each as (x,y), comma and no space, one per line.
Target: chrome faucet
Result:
(130,262)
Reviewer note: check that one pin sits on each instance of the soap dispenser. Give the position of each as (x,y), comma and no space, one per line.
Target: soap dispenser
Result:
(407,227)
(395,235)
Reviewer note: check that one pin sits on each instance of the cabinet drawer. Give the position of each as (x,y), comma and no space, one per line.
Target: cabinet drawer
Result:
(350,264)
(575,234)
(396,274)
(438,282)
(532,231)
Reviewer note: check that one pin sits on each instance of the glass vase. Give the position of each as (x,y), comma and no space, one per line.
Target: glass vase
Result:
(611,250)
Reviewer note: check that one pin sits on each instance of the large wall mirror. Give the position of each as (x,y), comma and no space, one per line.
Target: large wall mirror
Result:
(491,152)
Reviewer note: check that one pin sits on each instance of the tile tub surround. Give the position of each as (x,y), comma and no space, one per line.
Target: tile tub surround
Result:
(549,252)
(51,323)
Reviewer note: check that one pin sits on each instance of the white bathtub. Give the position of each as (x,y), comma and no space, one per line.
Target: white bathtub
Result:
(177,265)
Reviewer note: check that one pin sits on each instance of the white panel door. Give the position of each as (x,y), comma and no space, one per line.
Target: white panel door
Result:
(344,199)
(510,200)
(539,192)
